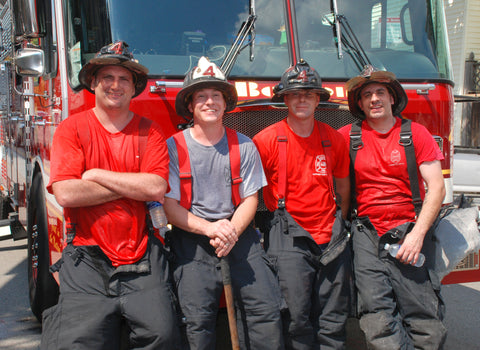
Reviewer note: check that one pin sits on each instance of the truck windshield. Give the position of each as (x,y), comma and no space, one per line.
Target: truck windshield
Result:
(407,37)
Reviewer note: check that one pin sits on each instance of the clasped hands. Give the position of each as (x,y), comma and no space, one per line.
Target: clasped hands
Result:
(223,236)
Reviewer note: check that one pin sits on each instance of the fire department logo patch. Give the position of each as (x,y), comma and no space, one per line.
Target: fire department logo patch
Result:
(320,165)
(395,156)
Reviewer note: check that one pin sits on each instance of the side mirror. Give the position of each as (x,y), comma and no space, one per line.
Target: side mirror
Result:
(30,62)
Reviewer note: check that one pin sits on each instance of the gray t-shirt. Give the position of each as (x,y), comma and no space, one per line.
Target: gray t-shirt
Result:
(211,184)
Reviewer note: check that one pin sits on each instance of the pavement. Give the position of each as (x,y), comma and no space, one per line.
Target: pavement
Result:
(20,330)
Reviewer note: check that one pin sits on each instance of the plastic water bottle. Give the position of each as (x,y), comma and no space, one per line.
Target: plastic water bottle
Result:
(157,213)
(393,250)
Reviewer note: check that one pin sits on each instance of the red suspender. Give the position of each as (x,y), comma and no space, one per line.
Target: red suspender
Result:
(327,148)
(234,153)
(282,161)
(185,172)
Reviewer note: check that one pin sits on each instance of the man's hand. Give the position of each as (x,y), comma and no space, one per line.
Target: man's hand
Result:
(411,247)
(223,236)
(89,175)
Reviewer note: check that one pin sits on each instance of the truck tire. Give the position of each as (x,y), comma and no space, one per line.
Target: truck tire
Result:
(43,289)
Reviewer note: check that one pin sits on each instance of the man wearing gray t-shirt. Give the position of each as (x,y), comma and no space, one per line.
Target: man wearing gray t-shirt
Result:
(215,174)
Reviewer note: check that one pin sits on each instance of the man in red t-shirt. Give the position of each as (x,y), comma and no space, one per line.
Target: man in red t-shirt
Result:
(398,303)
(106,162)
(303,159)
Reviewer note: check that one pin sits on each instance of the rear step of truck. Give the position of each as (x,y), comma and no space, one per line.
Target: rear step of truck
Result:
(12,228)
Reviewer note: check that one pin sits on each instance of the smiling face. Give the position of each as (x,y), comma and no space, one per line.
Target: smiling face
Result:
(376,101)
(114,87)
(301,103)
(207,106)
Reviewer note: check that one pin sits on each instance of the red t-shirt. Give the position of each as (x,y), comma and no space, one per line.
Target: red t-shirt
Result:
(308,195)
(118,226)
(381,176)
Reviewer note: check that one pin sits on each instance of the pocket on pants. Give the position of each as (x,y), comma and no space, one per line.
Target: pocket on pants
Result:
(50,327)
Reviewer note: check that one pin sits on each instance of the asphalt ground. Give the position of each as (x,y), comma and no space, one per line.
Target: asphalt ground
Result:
(20,330)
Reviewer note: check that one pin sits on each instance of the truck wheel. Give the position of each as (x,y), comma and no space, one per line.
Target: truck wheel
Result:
(42,286)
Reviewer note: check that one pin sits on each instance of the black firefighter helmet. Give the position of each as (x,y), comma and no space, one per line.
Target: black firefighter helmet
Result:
(300,77)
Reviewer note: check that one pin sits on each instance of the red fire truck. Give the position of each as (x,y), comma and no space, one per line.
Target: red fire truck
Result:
(46,42)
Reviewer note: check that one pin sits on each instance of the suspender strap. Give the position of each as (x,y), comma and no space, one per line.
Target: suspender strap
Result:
(71,231)
(185,172)
(234,153)
(327,148)
(356,144)
(282,161)
(282,165)
(407,142)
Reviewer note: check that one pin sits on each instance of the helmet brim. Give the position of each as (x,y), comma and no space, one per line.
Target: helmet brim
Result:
(355,85)
(324,94)
(183,97)
(400,98)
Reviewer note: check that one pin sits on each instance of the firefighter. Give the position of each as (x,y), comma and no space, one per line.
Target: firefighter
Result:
(399,304)
(211,206)
(106,162)
(304,160)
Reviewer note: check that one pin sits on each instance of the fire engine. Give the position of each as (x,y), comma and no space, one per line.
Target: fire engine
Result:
(44,44)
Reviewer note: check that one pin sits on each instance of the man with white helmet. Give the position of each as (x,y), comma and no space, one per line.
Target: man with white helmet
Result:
(105,163)
(306,164)
(399,304)
(215,174)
